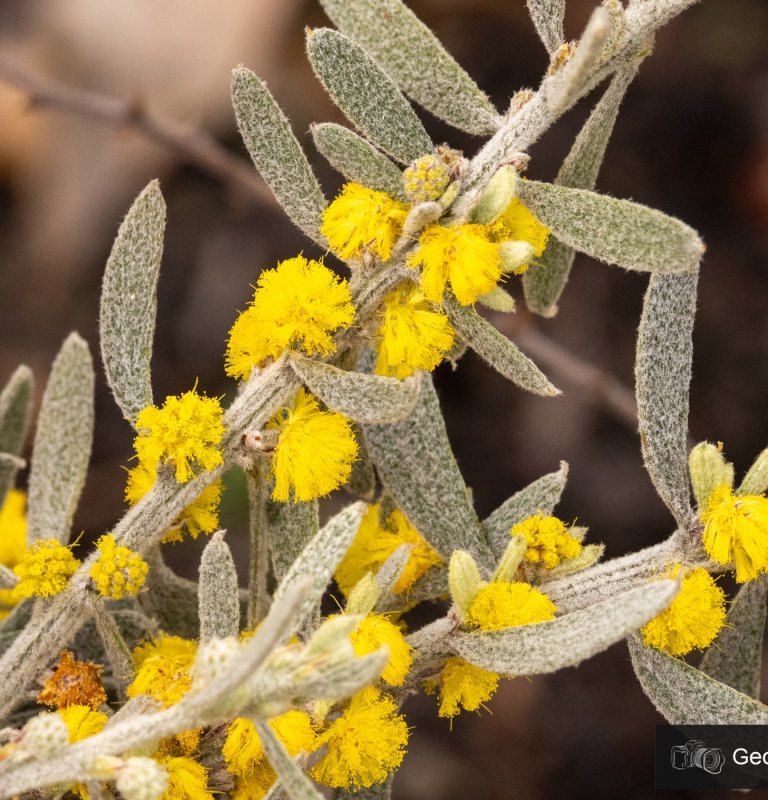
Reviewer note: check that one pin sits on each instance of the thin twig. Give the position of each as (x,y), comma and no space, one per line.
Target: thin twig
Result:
(191,144)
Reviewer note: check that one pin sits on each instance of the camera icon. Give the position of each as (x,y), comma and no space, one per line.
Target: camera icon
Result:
(696,754)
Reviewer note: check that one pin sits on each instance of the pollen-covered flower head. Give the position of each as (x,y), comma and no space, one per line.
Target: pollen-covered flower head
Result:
(517,223)
(374,543)
(426,178)
(413,334)
(73,683)
(464,686)
(375,631)
(549,541)
(500,604)
(362,218)
(692,620)
(200,516)
(118,572)
(185,432)
(460,255)
(45,569)
(736,531)
(299,305)
(314,452)
(187,779)
(82,721)
(13,541)
(163,669)
(364,745)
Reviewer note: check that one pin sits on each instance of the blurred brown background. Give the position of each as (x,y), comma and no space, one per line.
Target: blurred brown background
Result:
(692,140)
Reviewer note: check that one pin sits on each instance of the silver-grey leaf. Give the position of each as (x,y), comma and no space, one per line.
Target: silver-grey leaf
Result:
(15,412)
(219,603)
(356,159)
(129,302)
(276,152)
(63,441)
(662,380)
(618,232)
(408,51)
(170,599)
(291,527)
(498,351)
(547,17)
(357,395)
(541,495)
(367,95)
(567,640)
(686,696)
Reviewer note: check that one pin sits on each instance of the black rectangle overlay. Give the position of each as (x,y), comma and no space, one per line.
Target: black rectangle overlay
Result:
(712,757)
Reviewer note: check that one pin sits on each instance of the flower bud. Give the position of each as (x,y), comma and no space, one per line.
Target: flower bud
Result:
(498,194)
(463,579)
(516,255)
(708,469)
(756,479)
(426,178)
(364,595)
(511,560)
(142,779)
(42,737)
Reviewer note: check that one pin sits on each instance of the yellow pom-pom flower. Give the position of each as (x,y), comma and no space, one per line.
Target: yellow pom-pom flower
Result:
(256,785)
(13,542)
(692,620)
(296,306)
(375,543)
(374,631)
(549,542)
(200,516)
(243,750)
(517,223)
(118,572)
(363,218)
(460,255)
(499,605)
(364,745)
(314,452)
(187,779)
(463,685)
(185,432)
(45,569)
(426,178)
(412,334)
(736,531)
(163,669)
(82,722)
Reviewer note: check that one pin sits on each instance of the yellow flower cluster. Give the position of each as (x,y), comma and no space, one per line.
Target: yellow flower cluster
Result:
(499,605)
(463,685)
(297,306)
(692,620)
(736,532)
(315,450)
(375,631)
(185,432)
(45,569)
(374,543)
(13,542)
(549,541)
(187,779)
(426,178)
(82,722)
(118,572)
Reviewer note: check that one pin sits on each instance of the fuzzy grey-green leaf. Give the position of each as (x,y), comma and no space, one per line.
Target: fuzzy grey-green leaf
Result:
(547,17)
(366,94)
(129,302)
(686,696)
(567,640)
(356,159)
(62,446)
(544,284)
(170,599)
(408,51)
(359,396)
(15,412)
(291,527)
(662,379)
(276,152)
(416,466)
(736,656)
(541,495)
(498,351)
(618,232)
(219,603)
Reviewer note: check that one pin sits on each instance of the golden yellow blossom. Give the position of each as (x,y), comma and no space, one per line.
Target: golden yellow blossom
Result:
(314,452)
(692,620)
(13,542)
(364,745)
(363,218)
(549,541)
(517,223)
(376,630)
(118,572)
(185,432)
(45,569)
(736,531)
(460,255)
(375,543)
(413,335)
(506,605)
(463,685)
(187,779)
(82,722)
(296,306)
(163,669)
(73,683)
